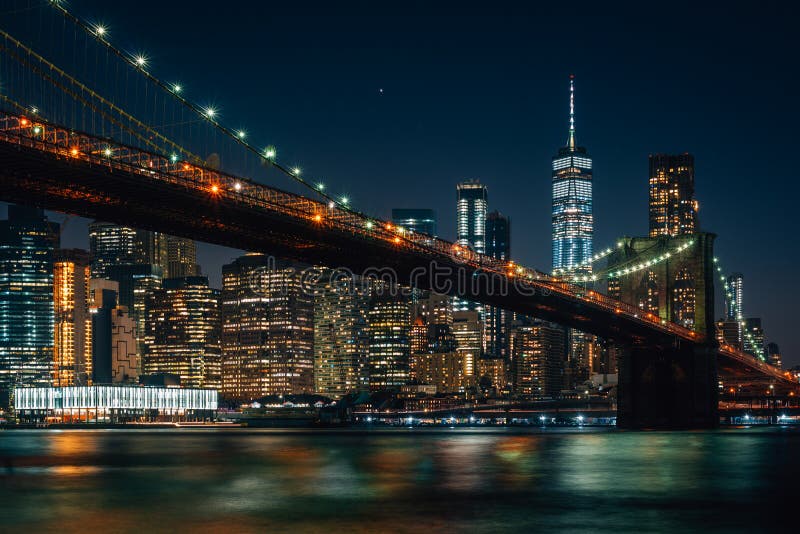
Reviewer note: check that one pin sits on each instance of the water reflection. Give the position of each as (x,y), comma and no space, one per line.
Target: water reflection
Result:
(410,480)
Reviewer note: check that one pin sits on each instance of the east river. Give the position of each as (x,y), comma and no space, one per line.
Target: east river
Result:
(399,480)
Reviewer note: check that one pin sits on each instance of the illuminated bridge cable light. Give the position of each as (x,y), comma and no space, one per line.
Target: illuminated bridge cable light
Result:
(138,65)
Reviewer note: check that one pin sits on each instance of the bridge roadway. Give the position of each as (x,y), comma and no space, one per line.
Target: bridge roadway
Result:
(52,167)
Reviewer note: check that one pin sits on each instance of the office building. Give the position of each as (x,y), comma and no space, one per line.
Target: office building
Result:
(389,346)
(27,243)
(421,221)
(471,208)
(340,336)
(538,359)
(72,332)
(469,334)
(673,208)
(182,332)
(267,330)
(115,358)
(181,257)
(135,283)
(774,355)
(573,220)
(498,320)
(753,341)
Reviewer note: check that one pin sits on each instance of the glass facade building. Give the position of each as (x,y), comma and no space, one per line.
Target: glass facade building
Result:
(27,243)
(183,331)
(267,329)
(471,208)
(673,209)
(72,339)
(389,344)
(498,320)
(573,221)
(340,336)
(421,221)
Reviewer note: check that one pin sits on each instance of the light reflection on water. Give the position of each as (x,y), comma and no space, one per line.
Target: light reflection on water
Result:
(395,480)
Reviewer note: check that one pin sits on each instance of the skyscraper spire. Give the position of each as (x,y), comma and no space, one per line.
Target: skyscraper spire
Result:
(571,140)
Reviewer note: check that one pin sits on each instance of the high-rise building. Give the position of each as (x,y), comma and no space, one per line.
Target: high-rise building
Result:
(573,221)
(471,211)
(440,364)
(181,257)
(573,229)
(267,329)
(753,337)
(734,297)
(468,329)
(673,209)
(183,331)
(498,320)
(27,242)
(389,347)
(421,221)
(136,281)
(774,355)
(115,358)
(340,336)
(435,308)
(111,244)
(72,332)
(538,359)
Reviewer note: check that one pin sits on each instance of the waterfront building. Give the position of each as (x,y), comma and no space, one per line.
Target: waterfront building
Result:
(114,404)
(673,208)
(418,220)
(267,329)
(72,332)
(389,346)
(182,331)
(341,306)
(115,358)
(538,359)
(27,243)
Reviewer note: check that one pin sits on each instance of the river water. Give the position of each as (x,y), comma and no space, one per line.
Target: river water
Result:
(398,480)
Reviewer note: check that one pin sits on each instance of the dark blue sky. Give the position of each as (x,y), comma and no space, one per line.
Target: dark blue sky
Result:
(480,91)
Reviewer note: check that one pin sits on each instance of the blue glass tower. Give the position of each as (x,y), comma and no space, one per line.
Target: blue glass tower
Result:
(27,243)
(573,223)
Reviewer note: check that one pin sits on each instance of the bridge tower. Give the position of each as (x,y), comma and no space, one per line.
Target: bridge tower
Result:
(673,386)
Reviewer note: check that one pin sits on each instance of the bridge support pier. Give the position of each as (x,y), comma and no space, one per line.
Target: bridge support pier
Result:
(672,388)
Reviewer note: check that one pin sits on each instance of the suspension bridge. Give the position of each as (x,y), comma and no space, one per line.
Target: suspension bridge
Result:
(80,152)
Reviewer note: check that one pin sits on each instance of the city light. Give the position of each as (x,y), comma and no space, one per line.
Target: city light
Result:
(241,134)
(237,186)
(176,88)
(210,112)
(100,30)
(296,171)
(270,152)
(140,61)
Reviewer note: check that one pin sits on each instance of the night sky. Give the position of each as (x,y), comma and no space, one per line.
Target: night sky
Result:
(481,91)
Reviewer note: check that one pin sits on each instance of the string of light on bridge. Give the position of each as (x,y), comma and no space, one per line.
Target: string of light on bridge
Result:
(140,63)
(635,267)
(729,296)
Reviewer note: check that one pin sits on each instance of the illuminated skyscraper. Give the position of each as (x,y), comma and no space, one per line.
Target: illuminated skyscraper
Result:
(538,358)
(111,244)
(27,242)
(573,222)
(267,329)
(498,320)
(181,257)
(389,349)
(673,209)
(72,341)
(468,329)
(734,297)
(340,336)
(471,215)
(183,331)
(573,230)
(471,208)
(422,221)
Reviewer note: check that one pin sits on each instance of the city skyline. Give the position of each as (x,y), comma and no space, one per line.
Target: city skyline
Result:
(627,113)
